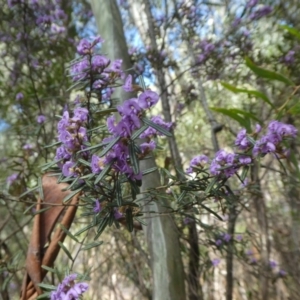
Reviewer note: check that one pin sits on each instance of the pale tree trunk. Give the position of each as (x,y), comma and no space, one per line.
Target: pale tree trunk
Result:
(161,233)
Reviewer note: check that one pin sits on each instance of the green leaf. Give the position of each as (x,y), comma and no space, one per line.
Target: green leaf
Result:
(266,73)
(109,146)
(54,144)
(140,221)
(62,246)
(211,185)
(85,229)
(137,133)
(119,193)
(157,127)
(92,245)
(29,208)
(181,196)
(68,233)
(71,195)
(47,286)
(255,93)
(41,210)
(244,122)
(102,225)
(49,165)
(44,296)
(106,111)
(29,191)
(291,30)
(133,158)
(49,269)
(104,172)
(84,162)
(148,171)
(40,185)
(129,219)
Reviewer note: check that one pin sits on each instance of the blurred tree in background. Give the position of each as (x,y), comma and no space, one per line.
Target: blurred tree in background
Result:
(218,66)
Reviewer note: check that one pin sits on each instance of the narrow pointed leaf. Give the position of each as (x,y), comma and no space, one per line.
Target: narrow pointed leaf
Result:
(133,158)
(254,93)
(137,133)
(266,73)
(109,146)
(157,127)
(291,30)
(92,245)
(148,171)
(71,195)
(129,219)
(104,172)
(62,246)
(68,233)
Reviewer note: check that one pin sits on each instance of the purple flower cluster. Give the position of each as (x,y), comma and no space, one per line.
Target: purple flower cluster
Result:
(131,112)
(72,134)
(276,133)
(223,165)
(68,289)
(198,161)
(95,67)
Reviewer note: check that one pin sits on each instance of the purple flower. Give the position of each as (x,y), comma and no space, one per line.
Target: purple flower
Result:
(99,62)
(239,237)
(27,146)
(224,164)
(19,96)
(12,178)
(84,47)
(226,237)
(260,13)
(265,145)
(188,220)
(257,128)
(147,147)
(148,99)
(282,273)
(116,66)
(251,3)
(129,107)
(249,252)
(97,164)
(289,58)
(273,264)
(215,262)
(245,160)
(117,214)
(79,70)
(68,289)
(41,119)
(68,169)
(80,114)
(236,22)
(97,206)
(62,153)
(241,140)
(127,87)
(219,242)
(197,162)
(98,39)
